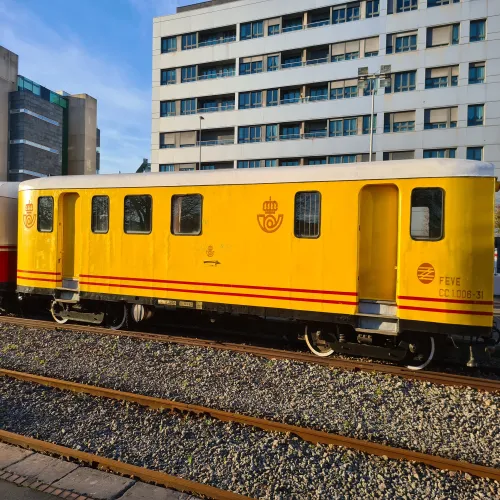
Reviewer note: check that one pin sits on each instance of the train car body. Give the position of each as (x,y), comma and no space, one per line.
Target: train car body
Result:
(356,253)
(8,236)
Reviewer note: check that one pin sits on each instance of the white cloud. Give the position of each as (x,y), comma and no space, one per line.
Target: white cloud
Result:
(59,60)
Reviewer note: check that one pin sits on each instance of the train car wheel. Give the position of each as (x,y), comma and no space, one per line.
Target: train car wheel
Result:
(426,348)
(55,310)
(116,316)
(317,344)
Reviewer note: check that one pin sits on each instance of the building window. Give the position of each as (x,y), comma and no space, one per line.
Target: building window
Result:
(271,133)
(440,153)
(271,163)
(274,29)
(307,214)
(316,161)
(249,134)
(100,214)
(290,96)
(188,74)
(290,132)
(404,82)
(186,214)
(475,115)
(345,14)
(292,61)
(290,163)
(478,30)
(476,72)
(168,76)
(406,43)
(475,153)
(427,214)
(455,34)
(207,167)
(272,97)
(372,8)
(272,63)
(250,99)
(189,41)
(169,44)
(250,68)
(248,164)
(138,214)
(437,118)
(45,220)
(294,24)
(408,126)
(167,108)
(251,30)
(373,53)
(436,78)
(342,159)
(318,94)
(366,124)
(188,106)
(406,5)
(437,3)
(167,168)
(351,91)
(347,126)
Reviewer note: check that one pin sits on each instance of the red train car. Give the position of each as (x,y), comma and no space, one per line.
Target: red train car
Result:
(8,236)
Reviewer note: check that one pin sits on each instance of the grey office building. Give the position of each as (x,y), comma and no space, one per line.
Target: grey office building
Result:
(44,132)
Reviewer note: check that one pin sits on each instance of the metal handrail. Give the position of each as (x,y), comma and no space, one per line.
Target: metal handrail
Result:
(227,39)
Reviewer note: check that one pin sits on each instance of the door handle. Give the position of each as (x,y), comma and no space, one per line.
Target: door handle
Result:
(213,262)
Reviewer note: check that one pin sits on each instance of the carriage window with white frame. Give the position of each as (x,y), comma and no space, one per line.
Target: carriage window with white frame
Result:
(138,212)
(186,214)
(100,214)
(45,214)
(307,214)
(427,210)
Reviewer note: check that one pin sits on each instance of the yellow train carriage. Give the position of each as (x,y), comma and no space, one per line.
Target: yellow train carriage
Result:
(376,259)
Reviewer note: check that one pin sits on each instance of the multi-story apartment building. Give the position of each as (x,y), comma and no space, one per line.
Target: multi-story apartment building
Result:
(242,84)
(43,132)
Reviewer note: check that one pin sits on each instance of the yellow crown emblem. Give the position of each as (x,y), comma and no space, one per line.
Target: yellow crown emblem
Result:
(29,207)
(270,207)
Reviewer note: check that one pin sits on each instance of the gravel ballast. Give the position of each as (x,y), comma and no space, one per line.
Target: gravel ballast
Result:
(451,422)
(226,455)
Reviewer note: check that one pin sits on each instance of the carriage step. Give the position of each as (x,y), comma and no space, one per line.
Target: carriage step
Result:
(378,307)
(368,315)
(67,296)
(372,331)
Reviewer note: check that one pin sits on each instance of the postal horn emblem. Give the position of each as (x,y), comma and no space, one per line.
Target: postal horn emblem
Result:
(29,217)
(268,221)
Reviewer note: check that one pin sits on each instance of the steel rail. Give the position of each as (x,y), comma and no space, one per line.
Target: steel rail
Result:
(146,475)
(306,434)
(345,364)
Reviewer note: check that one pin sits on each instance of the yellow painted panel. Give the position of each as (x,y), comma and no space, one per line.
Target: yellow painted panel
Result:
(378,242)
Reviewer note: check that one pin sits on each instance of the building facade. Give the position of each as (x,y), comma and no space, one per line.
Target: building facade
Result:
(242,84)
(43,132)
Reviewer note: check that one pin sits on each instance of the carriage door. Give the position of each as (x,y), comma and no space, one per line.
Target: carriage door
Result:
(69,248)
(378,242)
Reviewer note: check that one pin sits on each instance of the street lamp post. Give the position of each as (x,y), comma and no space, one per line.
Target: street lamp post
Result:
(199,141)
(377,79)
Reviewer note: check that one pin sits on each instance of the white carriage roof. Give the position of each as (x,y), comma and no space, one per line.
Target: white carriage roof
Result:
(9,189)
(396,169)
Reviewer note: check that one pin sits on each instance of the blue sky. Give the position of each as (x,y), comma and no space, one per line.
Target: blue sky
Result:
(99,47)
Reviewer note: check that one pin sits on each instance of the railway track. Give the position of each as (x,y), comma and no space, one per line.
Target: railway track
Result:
(306,434)
(271,353)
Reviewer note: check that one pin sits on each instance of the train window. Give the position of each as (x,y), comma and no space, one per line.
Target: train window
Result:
(307,214)
(100,214)
(45,214)
(186,214)
(427,208)
(138,214)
